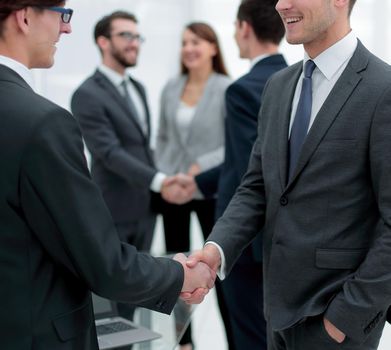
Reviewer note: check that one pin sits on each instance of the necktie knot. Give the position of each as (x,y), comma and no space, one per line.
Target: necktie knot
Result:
(309,68)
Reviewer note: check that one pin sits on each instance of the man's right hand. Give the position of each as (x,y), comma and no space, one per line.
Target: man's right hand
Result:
(178,189)
(198,280)
(209,255)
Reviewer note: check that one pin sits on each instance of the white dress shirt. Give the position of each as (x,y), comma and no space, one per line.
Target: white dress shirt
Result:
(19,68)
(330,65)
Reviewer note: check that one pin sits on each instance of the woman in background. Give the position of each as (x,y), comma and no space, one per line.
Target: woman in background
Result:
(191,135)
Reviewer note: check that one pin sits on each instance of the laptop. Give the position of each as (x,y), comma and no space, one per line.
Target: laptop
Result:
(114,331)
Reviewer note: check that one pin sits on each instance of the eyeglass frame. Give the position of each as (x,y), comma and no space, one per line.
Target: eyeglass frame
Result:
(129,36)
(64,12)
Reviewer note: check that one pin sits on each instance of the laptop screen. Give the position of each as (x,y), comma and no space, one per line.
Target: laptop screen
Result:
(102,307)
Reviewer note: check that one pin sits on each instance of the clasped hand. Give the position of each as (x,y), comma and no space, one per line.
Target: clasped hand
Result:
(200,273)
(178,189)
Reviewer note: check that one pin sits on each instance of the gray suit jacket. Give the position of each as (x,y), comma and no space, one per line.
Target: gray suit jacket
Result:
(327,233)
(205,142)
(122,162)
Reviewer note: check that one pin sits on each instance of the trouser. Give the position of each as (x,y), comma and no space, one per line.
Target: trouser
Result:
(311,335)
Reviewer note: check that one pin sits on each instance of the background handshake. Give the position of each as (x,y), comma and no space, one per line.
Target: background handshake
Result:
(200,270)
(180,188)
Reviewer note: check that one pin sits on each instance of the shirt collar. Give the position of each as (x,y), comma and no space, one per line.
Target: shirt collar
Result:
(332,59)
(115,78)
(19,68)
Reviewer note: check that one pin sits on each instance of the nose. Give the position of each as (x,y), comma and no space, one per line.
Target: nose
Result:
(66,28)
(283,5)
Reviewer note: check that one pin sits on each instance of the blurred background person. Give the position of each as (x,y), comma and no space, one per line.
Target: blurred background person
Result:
(191,135)
(258,33)
(112,109)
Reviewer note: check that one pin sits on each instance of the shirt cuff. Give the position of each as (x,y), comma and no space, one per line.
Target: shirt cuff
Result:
(221,272)
(157,182)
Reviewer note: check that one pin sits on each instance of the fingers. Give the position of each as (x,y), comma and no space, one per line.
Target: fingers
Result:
(195,258)
(194,169)
(196,297)
(178,189)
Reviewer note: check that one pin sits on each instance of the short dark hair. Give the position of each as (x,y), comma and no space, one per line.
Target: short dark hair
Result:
(103,27)
(263,18)
(9,6)
(206,32)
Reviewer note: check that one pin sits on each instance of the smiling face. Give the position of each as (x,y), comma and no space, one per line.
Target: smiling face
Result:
(196,52)
(121,50)
(46,28)
(315,23)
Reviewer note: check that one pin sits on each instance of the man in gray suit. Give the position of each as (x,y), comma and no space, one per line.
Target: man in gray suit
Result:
(318,184)
(113,113)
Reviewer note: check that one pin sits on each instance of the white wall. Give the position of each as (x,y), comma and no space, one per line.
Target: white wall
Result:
(162,22)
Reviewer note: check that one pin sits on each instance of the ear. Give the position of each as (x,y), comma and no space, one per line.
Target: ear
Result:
(23,18)
(103,42)
(245,29)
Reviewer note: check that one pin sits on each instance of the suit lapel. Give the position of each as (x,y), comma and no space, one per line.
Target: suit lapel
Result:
(284,120)
(338,96)
(106,85)
(145,104)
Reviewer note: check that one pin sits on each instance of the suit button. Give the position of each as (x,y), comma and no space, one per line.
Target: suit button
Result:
(283,200)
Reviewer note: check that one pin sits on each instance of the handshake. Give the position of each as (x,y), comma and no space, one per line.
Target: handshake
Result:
(200,270)
(179,188)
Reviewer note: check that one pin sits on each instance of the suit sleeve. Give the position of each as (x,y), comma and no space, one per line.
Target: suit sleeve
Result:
(67,214)
(244,216)
(103,143)
(365,297)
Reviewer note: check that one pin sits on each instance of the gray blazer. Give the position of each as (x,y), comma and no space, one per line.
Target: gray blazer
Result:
(122,162)
(205,142)
(327,233)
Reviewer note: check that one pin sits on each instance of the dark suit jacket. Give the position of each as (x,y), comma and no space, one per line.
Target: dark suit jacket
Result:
(327,233)
(122,162)
(243,101)
(57,239)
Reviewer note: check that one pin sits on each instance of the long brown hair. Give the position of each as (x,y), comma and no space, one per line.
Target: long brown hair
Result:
(206,32)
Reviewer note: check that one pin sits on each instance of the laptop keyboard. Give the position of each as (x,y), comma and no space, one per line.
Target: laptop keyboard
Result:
(113,327)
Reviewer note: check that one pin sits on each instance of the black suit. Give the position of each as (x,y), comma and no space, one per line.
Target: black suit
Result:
(326,232)
(122,163)
(243,101)
(57,239)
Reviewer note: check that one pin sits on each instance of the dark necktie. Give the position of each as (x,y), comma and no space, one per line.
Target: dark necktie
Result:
(302,117)
(132,107)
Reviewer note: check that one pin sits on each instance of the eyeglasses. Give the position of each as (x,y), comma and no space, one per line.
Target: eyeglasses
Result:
(66,14)
(129,36)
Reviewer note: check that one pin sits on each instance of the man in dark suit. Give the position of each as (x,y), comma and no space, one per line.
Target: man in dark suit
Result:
(318,184)
(114,117)
(57,238)
(258,33)
(113,113)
